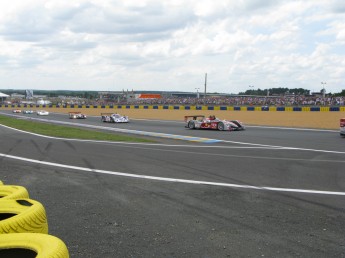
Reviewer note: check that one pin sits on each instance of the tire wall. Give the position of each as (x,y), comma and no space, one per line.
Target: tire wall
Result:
(24,226)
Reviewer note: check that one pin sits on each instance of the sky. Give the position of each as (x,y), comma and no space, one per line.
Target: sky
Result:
(171,45)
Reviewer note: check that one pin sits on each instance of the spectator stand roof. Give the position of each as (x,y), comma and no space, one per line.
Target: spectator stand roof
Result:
(2,95)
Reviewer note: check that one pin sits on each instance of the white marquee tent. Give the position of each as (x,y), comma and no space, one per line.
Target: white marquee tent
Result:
(3,96)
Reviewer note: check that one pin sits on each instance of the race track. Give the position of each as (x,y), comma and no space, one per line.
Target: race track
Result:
(272,192)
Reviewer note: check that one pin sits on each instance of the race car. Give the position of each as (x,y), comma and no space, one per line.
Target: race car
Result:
(114,118)
(342,127)
(212,122)
(28,111)
(17,111)
(42,113)
(76,115)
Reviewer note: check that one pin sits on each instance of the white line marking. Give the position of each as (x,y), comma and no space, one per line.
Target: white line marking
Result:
(252,145)
(136,143)
(129,131)
(254,126)
(175,180)
(249,126)
(186,146)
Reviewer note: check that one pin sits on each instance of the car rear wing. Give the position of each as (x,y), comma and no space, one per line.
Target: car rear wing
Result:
(196,117)
(342,122)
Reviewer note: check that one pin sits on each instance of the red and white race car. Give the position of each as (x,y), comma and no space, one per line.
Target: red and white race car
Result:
(76,115)
(212,122)
(342,127)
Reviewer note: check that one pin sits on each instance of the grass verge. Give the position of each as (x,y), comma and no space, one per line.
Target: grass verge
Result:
(66,131)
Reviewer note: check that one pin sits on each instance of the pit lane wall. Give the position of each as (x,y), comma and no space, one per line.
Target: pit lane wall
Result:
(191,107)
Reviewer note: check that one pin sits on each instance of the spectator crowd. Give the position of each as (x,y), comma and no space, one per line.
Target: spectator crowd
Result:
(236,101)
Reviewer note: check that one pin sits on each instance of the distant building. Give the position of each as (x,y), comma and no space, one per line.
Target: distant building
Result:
(17,96)
(43,102)
(29,94)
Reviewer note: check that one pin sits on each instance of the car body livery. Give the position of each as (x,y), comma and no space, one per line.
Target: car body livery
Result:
(211,122)
(114,118)
(17,111)
(342,127)
(76,115)
(27,111)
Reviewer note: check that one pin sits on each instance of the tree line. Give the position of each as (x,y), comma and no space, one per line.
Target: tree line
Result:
(284,91)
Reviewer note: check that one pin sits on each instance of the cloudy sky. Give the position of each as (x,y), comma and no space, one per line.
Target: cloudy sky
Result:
(171,44)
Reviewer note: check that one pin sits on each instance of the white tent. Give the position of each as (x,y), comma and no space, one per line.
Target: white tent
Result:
(3,96)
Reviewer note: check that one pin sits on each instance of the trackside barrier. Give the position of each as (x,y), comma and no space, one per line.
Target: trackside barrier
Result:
(24,226)
(190,107)
(334,109)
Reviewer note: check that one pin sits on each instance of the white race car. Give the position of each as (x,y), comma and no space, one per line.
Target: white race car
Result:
(17,111)
(42,113)
(28,111)
(114,118)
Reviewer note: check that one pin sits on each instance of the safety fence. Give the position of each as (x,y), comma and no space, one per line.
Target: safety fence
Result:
(191,107)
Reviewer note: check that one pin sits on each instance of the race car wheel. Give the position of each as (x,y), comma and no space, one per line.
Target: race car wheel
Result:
(13,192)
(220,126)
(32,245)
(191,125)
(22,216)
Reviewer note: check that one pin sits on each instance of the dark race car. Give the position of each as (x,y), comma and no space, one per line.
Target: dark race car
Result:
(212,122)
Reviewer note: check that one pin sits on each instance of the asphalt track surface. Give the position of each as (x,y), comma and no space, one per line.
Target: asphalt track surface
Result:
(269,192)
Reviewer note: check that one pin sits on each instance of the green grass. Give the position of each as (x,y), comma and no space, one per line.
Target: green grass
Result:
(66,131)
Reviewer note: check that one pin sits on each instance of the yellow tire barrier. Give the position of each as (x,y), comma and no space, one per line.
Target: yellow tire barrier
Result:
(22,216)
(32,245)
(13,192)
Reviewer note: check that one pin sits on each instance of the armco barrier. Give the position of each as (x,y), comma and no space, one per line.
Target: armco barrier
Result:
(191,107)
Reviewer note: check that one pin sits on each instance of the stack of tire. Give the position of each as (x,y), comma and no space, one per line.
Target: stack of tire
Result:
(24,227)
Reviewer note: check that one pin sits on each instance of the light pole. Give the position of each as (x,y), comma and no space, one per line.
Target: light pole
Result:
(197,92)
(323,89)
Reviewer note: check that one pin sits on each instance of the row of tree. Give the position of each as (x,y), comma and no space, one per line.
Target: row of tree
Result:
(276,91)
(285,91)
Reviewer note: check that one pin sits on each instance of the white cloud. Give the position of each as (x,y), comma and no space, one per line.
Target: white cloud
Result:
(170,45)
